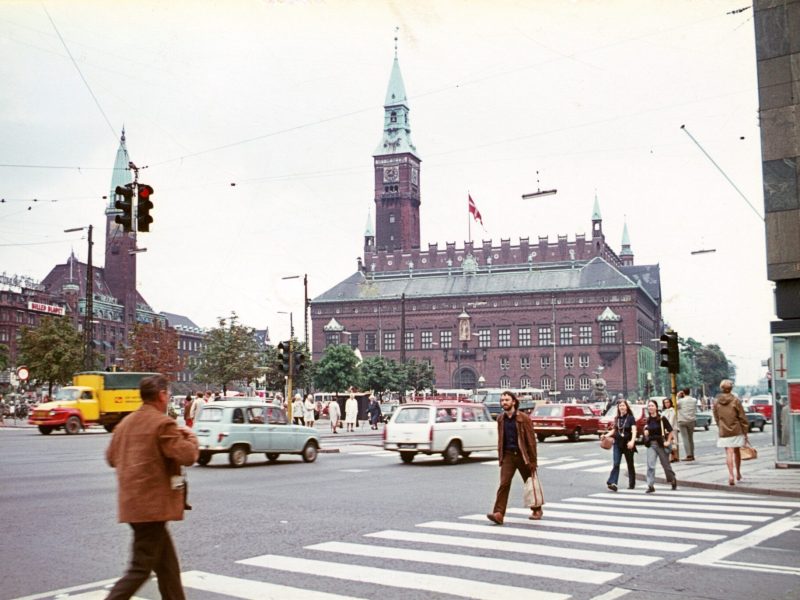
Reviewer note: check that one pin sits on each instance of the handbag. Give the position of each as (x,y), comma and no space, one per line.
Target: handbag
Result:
(747,452)
(532,495)
(664,444)
(606,442)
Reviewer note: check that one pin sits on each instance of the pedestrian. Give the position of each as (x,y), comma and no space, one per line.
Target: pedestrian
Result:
(732,426)
(623,432)
(195,408)
(298,418)
(657,437)
(374,412)
(148,450)
(309,406)
(187,411)
(350,413)
(516,449)
(687,420)
(669,413)
(334,414)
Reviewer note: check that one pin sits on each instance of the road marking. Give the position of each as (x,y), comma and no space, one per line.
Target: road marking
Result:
(695,494)
(68,590)
(612,594)
(577,538)
(353,470)
(628,501)
(678,514)
(252,590)
(582,463)
(93,595)
(485,544)
(727,500)
(570,524)
(632,520)
(473,562)
(439,584)
(603,469)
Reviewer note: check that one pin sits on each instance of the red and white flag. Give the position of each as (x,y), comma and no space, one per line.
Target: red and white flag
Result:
(473,210)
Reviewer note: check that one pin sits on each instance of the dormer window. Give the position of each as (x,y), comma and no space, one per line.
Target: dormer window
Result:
(391,217)
(393,117)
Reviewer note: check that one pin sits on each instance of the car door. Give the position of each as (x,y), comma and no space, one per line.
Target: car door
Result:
(486,429)
(280,435)
(256,423)
(469,427)
(591,422)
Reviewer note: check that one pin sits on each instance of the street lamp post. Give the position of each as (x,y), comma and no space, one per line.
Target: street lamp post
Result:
(88,328)
(291,322)
(305,305)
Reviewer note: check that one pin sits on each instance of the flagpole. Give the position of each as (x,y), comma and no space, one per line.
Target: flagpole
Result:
(469,219)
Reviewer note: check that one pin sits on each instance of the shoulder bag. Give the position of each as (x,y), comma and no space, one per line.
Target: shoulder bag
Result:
(664,444)
(747,452)
(606,443)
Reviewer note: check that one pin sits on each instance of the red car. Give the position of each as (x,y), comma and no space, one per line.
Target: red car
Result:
(639,413)
(571,420)
(763,405)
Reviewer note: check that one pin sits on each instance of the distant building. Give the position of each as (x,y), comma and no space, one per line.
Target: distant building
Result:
(538,314)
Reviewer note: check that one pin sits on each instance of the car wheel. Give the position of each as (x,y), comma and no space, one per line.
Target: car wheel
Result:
(109,427)
(706,427)
(541,438)
(204,459)
(272,456)
(761,429)
(751,427)
(451,453)
(45,430)
(465,454)
(237,456)
(575,436)
(310,452)
(407,457)
(73,425)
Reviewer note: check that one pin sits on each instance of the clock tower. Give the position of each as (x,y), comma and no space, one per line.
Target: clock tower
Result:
(397,174)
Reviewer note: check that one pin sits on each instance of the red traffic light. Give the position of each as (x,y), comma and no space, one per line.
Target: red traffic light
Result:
(145,190)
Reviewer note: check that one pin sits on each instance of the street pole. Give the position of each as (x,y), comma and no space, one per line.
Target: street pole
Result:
(305,311)
(624,367)
(402,329)
(88,327)
(289,397)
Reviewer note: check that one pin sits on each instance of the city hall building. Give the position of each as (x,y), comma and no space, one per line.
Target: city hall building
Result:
(533,314)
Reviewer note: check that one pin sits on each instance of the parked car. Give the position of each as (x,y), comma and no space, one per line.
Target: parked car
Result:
(639,413)
(571,420)
(755,418)
(452,429)
(246,425)
(762,404)
(703,420)
(387,410)
(490,397)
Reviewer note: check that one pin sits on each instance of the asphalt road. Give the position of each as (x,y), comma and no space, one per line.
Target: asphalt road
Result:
(351,525)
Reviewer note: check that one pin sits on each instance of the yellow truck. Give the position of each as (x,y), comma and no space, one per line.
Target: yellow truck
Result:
(94,397)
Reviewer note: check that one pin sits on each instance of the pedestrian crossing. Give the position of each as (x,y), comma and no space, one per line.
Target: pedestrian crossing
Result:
(585,548)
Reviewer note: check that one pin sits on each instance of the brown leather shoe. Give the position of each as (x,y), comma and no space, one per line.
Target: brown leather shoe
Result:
(496,518)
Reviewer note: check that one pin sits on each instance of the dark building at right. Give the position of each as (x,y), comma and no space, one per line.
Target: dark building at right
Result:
(777,38)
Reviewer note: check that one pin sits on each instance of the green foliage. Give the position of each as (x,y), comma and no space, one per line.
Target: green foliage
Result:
(4,357)
(53,352)
(382,375)
(275,379)
(337,370)
(701,366)
(231,353)
(418,376)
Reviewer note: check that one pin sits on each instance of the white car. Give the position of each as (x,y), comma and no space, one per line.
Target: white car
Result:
(452,429)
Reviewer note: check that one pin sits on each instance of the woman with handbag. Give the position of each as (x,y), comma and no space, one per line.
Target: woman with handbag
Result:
(658,436)
(732,426)
(623,434)
(669,412)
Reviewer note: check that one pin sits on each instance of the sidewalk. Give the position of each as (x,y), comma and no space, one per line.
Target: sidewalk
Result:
(759,476)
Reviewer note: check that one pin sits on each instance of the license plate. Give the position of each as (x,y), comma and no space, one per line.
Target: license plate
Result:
(406,445)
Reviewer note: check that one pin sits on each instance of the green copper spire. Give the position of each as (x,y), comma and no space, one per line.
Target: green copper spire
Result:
(369,230)
(626,242)
(121,175)
(596,210)
(396,127)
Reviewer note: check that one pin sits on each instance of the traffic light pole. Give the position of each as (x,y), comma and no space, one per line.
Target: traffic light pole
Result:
(289,398)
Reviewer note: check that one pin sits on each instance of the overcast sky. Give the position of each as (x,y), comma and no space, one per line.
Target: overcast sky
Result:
(285,99)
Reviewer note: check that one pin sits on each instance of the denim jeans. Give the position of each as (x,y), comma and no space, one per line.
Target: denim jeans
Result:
(618,452)
(656,452)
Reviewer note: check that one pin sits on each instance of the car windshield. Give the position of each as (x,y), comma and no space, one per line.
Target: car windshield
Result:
(636,410)
(210,414)
(548,410)
(413,415)
(67,394)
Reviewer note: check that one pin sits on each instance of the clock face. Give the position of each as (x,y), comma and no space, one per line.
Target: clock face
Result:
(415,176)
(391,173)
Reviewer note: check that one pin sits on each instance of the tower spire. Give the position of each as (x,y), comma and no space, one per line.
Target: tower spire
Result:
(626,254)
(597,219)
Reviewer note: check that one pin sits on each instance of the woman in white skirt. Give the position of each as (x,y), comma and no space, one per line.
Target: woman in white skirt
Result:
(733,427)
(350,413)
(309,406)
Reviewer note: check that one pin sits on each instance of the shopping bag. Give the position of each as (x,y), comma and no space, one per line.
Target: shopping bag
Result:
(532,494)
(748,452)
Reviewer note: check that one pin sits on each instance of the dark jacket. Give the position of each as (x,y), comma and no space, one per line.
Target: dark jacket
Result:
(729,415)
(526,439)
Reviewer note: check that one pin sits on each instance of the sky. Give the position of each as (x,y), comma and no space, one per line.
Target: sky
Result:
(284,99)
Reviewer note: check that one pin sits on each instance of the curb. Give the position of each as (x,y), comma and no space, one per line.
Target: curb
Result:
(739,489)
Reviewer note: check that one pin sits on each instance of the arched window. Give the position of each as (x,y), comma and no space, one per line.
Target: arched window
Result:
(584,382)
(546,383)
(525,382)
(393,117)
(569,383)
(505,382)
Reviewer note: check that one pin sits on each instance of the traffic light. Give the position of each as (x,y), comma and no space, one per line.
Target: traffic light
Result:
(299,363)
(125,205)
(283,357)
(143,218)
(670,355)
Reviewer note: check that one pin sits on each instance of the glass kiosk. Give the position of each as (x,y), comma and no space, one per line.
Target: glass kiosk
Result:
(786,398)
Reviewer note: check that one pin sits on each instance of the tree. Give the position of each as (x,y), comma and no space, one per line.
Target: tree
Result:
(53,352)
(154,349)
(381,374)
(418,376)
(231,353)
(3,357)
(337,370)
(713,366)
(275,379)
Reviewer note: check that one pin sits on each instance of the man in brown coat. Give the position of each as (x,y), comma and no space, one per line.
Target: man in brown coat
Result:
(516,448)
(147,450)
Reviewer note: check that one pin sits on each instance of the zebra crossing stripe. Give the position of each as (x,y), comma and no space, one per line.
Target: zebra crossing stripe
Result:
(94,595)
(251,590)
(699,494)
(726,501)
(570,524)
(440,584)
(75,588)
(667,512)
(467,561)
(627,501)
(576,538)
(501,545)
(603,469)
(582,463)
(629,519)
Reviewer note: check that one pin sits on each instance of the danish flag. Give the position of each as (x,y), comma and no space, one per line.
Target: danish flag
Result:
(473,210)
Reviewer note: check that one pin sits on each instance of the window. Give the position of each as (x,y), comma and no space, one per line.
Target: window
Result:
(585,335)
(505,381)
(608,333)
(505,363)
(525,382)
(446,339)
(331,338)
(545,336)
(467,415)
(255,414)
(524,362)
(426,340)
(484,338)
(546,383)
(391,217)
(569,383)
(504,338)
(369,342)
(524,336)
(354,340)
(545,361)
(393,117)
(409,341)
(389,341)
(583,361)
(584,382)
(569,361)
(565,335)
